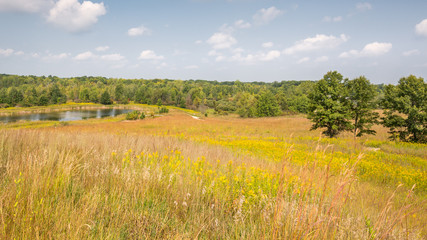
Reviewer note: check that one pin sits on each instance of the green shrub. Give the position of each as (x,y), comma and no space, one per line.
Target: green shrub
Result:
(134,115)
(163,110)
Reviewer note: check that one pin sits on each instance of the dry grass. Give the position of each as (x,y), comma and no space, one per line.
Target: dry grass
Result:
(178,177)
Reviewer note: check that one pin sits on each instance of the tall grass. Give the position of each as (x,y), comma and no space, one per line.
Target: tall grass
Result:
(68,184)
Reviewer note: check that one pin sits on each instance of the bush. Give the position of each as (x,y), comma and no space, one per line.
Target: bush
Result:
(134,115)
(163,110)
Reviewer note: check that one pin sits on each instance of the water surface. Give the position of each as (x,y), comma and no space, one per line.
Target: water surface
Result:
(71,115)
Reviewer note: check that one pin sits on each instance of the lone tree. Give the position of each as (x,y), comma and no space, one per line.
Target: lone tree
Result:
(361,95)
(406,110)
(328,106)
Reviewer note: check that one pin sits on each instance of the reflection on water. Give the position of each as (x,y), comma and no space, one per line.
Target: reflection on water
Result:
(65,115)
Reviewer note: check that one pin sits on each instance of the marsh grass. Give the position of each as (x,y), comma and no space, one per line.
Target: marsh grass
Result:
(80,182)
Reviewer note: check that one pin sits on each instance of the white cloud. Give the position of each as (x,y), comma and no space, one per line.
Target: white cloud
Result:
(19,53)
(411,53)
(213,53)
(6,52)
(191,67)
(25,5)
(421,28)
(370,50)
(376,49)
(252,58)
(74,16)
(363,6)
(332,19)
(271,55)
(150,55)
(221,40)
(242,24)
(219,58)
(225,28)
(264,16)
(137,31)
(304,59)
(102,48)
(56,57)
(320,41)
(198,42)
(267,45)
(112,57)
(85,56)
(322,59)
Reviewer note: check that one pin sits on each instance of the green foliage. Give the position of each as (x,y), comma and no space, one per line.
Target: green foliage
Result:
(106,98)
(246,104)
(406,110)
(135,115)
(142,116)
(328,105)
(163,110)
(55,95)
(361,96)
(15,96)
(266,105)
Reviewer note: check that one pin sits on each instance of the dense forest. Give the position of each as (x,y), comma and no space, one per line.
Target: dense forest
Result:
(255,99)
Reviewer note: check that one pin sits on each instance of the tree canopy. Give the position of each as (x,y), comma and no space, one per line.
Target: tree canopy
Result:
(406,109)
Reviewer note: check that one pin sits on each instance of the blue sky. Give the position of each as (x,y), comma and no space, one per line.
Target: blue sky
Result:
(224,40)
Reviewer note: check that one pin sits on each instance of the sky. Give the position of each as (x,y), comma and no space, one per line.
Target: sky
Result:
(223,40)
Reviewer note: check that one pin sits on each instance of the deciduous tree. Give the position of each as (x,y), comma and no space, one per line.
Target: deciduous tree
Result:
(328,106)
(406,109)
(361,96)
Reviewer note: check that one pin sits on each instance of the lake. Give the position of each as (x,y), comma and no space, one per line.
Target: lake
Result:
(71,115)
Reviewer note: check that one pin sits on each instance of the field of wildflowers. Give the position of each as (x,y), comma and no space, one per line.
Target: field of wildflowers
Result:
(178,177)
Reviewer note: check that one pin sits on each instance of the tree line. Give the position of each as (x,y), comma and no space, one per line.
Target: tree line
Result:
(255,99)
(333,103)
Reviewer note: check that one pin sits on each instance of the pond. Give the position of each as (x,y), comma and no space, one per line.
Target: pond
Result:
(71,115)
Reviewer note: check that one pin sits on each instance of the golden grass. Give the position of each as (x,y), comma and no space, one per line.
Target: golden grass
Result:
(178,177)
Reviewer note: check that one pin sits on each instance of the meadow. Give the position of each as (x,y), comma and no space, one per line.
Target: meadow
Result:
(175,176)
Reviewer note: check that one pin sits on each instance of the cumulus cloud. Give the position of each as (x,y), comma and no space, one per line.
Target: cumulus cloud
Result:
(74,16)
(332,19)
(102,48)
(6,52)
(150,55)
(91,56)
(370,50)
(412,52)
(242,24)
(137,31)
(252,58)
(221,40)
(84,56)
(31,6)
(363,6)
(112,57)
(322,59)
(264,16)
(269,56)
(421,28)
(56,56)
(320,41)
(19,53)
(267,45)
(303,60)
